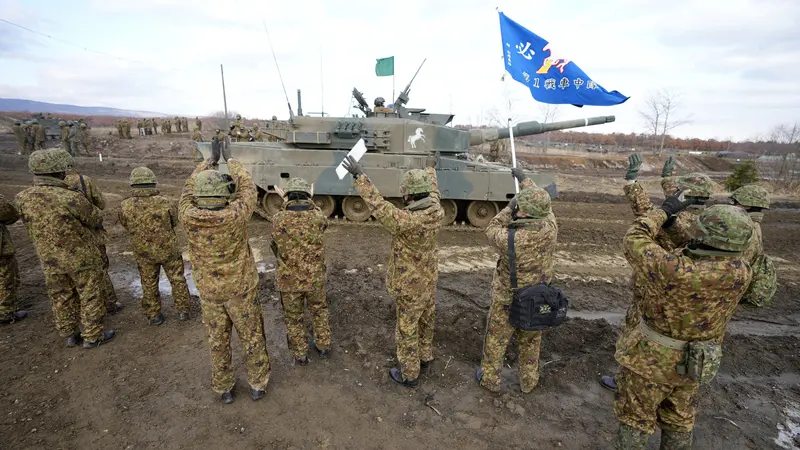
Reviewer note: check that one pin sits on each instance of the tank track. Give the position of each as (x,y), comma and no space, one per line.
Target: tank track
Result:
(371,222)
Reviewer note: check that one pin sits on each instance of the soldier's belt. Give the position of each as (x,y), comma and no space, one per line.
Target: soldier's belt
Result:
(660,339)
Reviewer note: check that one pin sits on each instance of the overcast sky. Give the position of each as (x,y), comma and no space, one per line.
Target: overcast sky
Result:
(735,62)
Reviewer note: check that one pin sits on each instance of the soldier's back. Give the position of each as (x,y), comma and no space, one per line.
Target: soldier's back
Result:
(299,236)
(150,219)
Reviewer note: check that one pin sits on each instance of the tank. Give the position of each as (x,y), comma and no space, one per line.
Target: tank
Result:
(50,124)
(397,139)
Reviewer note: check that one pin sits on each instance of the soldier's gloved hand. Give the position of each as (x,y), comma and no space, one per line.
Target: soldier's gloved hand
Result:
(518,173)
(351,165)
(634,164)
(226,152)
(669,166)
(433,161)
(673,205)
(513,204)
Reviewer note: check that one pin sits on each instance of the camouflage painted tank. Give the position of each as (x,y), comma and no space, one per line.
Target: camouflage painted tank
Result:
(397,139)
(50,124)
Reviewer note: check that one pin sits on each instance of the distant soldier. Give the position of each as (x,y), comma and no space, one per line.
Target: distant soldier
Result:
(151,219)
(496,148)
(167,126)
(64,135)
(535,231)
(215,210)
(155,126)
(127,128)
(60,223)
(754,200)
(687,301)
(239,124)
(73,138)
(177,124)
(185,123)
(30,138)
(84,139)
(299,247)
(198,123)
(379,106)
(413,266)
(257,135)
(197,136)
(19,133)
(9,271)
(87,187)
(140,126)
(41,136)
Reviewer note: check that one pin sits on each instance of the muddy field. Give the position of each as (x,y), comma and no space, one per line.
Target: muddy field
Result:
(149,387)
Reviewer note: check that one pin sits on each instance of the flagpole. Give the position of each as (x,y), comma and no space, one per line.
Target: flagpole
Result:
(513,153)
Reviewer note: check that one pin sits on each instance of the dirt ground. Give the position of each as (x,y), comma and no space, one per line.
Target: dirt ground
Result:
(150,386)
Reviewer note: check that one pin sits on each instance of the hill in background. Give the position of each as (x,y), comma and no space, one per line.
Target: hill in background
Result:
(15,104)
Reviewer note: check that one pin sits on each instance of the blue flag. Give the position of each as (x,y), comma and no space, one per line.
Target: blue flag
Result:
(551,77)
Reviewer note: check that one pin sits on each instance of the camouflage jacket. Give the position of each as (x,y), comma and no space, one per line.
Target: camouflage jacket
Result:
(676,236)
(413,268)
(222,261)
(150,218)
(298,232)
(60,223)
(40,134)
(534,245)
(756,246)
(87,187)
(8,215)
(64,134)
(19,132)
(689,296)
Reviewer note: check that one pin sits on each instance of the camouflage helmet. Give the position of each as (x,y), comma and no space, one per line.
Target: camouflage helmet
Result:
(534,202)
(724,227)
(212,183)
(83,124)
(415,181)
(297,185)
(752,195)
(274,117)
(696,185)
(70,122)
(61,123)
(52,160)
(142,175)
(238,117)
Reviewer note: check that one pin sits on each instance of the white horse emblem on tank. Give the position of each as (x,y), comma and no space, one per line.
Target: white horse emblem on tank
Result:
(415,137)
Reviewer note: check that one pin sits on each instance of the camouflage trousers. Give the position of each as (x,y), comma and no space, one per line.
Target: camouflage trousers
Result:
(642,405)
(75,299)
(246,315)
(293,306)
(65,145)
(9,282)
(413,334)
(106,286)
(149,273)
(495,343)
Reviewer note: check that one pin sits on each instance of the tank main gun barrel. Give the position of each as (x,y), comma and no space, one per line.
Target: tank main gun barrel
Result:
(480,135)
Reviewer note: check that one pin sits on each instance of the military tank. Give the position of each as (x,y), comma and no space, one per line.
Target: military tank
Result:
(397,139)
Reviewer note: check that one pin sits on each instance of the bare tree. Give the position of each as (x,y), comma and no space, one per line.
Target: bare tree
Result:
(662,114)
(548,113)
(787,171)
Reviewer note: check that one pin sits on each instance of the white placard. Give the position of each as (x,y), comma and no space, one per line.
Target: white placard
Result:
(356,152)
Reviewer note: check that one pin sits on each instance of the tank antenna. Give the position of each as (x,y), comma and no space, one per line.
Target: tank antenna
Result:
(288,104)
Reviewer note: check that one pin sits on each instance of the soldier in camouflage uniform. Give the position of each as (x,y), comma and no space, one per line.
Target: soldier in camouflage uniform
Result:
(299,246)
(64,135)
(19,133)
(167,126)
(754,199)
(27,143)
(215,210)
(61,224)
(9,271)
(86,186)
(687,300)
(155,126)
(151,219)
(535,241)
(198,123)
(197,136)
(185,122)
(127,128)
(177,124)
(413,267)
(84,139)
(39,135)
(257,135)
(73,138)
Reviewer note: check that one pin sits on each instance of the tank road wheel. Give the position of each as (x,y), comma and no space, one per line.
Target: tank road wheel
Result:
(479,213)
(326,203)
(450,211)
(272,203)
(355,209)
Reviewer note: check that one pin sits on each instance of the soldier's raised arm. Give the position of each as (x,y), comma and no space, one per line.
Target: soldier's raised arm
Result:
(246,191)
(8,211)
(497,230)
(639,244)
(393,219)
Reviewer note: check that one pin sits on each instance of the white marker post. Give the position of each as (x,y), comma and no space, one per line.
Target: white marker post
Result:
(101,157)
(513,153)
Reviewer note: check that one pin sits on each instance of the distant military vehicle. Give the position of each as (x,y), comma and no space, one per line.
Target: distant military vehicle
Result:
(397,140)
(50,124)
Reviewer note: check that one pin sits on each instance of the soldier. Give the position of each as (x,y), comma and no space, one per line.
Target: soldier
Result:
(379,102)
(754,199)
(19,133)
(9,271)
(177,124)
(86,186)
(127,124)
(73,138)
(215,210)
(198,123)
(688,299)
(155,126)
(64,135)
(151,218)
(197,136)
(535,237)
(413,268)
(185,122)
(140,126)
(257,136)
(239,124)
(84,139)
(60,223)
(299,247)
(167,126)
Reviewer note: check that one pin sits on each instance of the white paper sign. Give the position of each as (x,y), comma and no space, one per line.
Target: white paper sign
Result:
(357,152)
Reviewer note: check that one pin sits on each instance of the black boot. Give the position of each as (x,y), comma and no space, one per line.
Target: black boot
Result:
(107,336)
(397,376)
(609,383)
(425,365)
(226,398)
(157,320)
(14,317)
(113,308)
(74,340)
(301,361)
(256,394)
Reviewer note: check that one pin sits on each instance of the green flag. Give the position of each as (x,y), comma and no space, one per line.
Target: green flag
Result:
(384,67)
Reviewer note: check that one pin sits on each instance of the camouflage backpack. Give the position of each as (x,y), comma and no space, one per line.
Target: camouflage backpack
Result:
(764,283)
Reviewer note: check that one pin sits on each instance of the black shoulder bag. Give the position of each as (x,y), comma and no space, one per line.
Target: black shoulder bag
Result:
(534,307)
